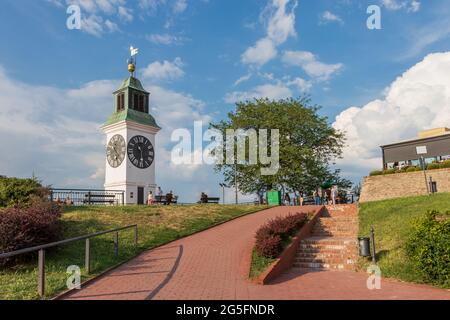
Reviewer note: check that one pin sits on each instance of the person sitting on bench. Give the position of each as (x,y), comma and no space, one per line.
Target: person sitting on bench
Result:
(204,198)
(169,198)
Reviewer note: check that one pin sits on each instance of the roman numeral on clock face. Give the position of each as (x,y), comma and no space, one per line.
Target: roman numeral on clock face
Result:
(140,152)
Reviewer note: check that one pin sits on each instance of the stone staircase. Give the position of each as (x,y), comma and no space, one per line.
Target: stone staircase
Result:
(332,244)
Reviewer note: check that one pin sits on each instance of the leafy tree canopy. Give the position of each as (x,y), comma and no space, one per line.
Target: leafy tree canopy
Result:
(308,145)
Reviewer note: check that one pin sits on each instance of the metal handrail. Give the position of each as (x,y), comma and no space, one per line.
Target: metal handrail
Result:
(41,249)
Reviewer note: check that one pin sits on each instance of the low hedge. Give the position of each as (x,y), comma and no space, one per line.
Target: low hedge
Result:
(20,192)
(271,236)
(27,227)
(431,166)
(429,247)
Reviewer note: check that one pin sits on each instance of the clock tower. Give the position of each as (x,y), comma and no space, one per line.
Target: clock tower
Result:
(130,141)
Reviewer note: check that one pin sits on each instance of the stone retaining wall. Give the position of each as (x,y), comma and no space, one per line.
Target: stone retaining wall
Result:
(400,185)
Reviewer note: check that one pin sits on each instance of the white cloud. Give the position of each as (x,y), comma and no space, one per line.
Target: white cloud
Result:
(302,85)
(93,25)
(243,79)
(409,5)
(311,65)
(97,15)
(165,39)
(180,6)
(263,51)
(165,70)
(125,14)
(327,17)
(417,100)
(270,91)
(280,19)
(55,133)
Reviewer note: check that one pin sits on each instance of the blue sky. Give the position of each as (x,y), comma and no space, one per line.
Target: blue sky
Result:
(196,58)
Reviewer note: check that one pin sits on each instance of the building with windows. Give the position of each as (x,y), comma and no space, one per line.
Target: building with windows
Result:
(430,145)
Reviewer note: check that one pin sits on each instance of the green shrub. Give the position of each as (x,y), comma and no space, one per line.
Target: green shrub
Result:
(376,173)
(445,164)
(412,169)
(389,171)
(19,192)
(433,166)
(429,247)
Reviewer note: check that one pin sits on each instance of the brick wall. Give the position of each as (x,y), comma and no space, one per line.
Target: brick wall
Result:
(403,185)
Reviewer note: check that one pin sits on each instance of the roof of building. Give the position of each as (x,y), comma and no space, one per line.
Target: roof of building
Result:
(434,137)
(132,115)
(131,82)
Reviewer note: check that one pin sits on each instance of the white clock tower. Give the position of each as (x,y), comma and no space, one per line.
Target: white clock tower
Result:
(130,138)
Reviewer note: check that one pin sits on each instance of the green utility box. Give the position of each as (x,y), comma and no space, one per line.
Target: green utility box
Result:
(274,198)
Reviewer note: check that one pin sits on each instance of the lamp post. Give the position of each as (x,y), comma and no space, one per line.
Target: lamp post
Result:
(223,185)
(421,151)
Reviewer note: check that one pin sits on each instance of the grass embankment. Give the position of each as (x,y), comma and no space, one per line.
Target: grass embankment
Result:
(259,264)
(157,225)
(392,221)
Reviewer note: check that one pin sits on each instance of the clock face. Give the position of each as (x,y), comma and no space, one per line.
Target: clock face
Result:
(115,151)
(141,152)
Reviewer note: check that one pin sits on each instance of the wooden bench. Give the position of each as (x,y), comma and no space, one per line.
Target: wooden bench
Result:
(162,199)
(211,200)
(99,199)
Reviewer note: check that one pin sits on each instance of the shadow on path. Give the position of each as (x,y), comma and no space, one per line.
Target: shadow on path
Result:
(169,275)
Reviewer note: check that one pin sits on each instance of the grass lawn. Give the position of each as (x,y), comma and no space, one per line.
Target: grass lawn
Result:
(259,264)
(157,225)
(392,221)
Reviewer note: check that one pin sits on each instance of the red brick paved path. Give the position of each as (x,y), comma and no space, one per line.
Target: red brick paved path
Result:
(213,265)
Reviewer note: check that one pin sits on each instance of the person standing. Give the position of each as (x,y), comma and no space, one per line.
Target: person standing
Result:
(316,197)
(301,199)
(287,199)
(150,198)
(334,194)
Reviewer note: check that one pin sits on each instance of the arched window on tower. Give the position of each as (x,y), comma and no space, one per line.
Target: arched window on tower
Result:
(135,101)
(141,103)
(120,102)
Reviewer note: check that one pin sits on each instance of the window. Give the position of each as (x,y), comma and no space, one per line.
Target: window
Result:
(141,103)
(120,102)
(135,102)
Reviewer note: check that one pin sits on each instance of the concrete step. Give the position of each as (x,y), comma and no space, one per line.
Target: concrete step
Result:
(332,233)
(323,266)
(335,261)
(328,241)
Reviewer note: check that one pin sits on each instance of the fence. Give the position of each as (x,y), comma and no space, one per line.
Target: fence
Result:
(41,251)
(85,197)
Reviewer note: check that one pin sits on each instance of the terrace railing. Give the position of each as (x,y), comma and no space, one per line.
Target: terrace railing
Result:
(87,197)
(87,260)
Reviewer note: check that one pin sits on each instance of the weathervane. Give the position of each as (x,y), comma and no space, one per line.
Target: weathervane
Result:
(132,60)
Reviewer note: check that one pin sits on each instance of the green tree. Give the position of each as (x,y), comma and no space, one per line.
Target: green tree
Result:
(19,192)
(308,145)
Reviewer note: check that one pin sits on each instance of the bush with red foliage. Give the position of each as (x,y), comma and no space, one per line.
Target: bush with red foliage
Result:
(271,236)
(27,227)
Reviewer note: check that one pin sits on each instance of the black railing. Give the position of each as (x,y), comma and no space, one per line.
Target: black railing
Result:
(41,251)
(86,197)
